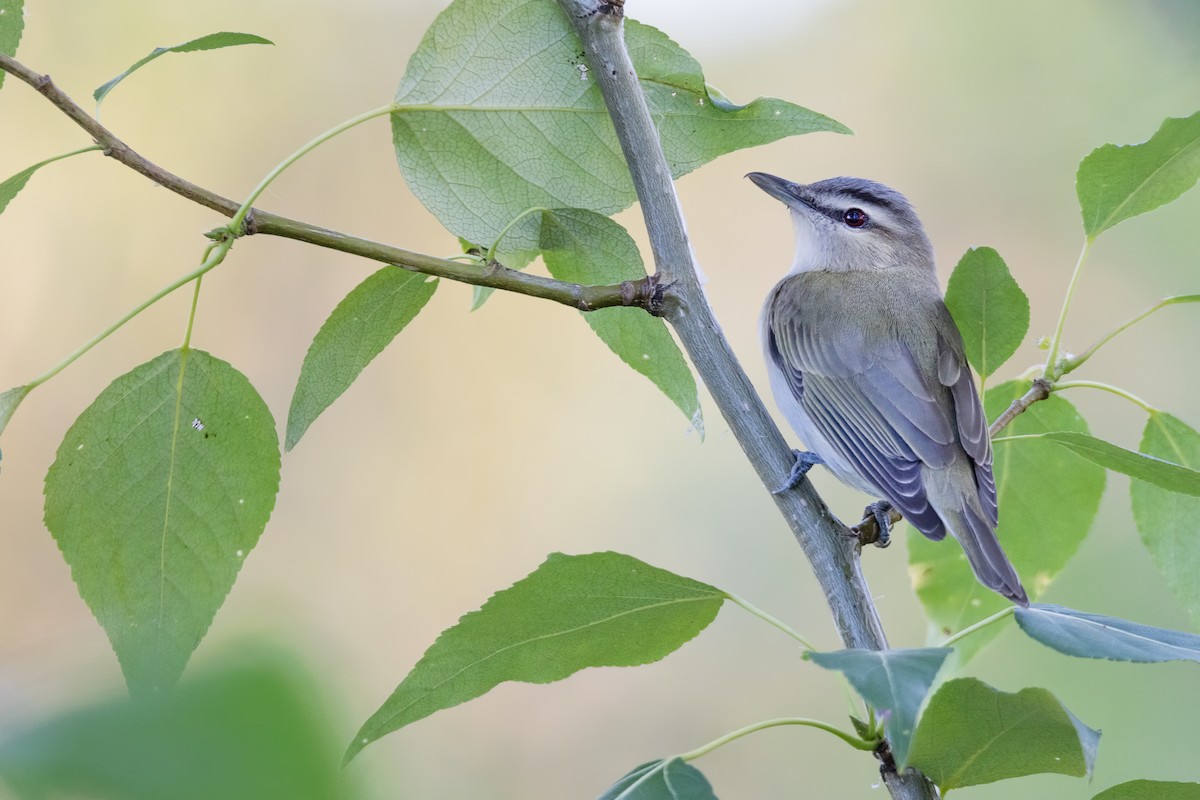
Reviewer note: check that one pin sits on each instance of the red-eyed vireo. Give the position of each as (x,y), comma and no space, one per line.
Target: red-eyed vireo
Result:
(867,365)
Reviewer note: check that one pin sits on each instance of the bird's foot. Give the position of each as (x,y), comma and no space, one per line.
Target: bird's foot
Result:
(803,463)
(876,525)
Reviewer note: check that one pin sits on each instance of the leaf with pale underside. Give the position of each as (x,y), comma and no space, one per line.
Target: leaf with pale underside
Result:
(498,113)
(601,609)
(1166,520)
(1048,498)
(1115,182)
(9,400)
(213,41)
(159,491)
(989,308)
(669,779)
(972,734)
(1084,635)
(894,682)
(361,326)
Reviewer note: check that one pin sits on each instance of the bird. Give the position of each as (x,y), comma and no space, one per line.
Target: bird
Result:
(868,367)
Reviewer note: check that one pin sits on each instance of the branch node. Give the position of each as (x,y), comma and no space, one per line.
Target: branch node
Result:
(655,300)
(630,292)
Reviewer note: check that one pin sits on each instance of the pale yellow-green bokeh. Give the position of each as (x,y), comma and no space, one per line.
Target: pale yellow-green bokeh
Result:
(480,442)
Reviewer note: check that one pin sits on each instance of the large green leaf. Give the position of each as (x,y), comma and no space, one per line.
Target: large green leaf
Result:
(892,681)
(1084,635)
(670,779)
(972,733)
(359,328)
(989,308)
(1115,183)
(1165,519)
(12,23)
(498,114)
(249,731)
(1048,498)
(158,492)
(213,41)
(585,247)
(1151,790)
(602,609)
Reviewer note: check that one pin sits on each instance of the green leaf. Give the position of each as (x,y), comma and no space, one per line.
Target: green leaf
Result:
(1077,633)
(1161,473)
(602,609)
(246,732)
(1165,519)
(213,41)
(892,681)
(500,114)
(1048,498)
(9,400)
(361,326)
(972,733)
(1151,790)
(585,247)
(989,308)
(158,492)
(12,186)
(671,779)
(1116,183)
(12,23)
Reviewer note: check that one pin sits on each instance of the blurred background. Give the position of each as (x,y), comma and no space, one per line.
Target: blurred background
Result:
(478,443)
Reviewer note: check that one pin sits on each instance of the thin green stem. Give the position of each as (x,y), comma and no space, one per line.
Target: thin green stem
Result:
(1050,371)
(1079,360)
(214,255)
(216,252)
(848,738)
(983,623)
(491,253)
(239,217)
(1105,387)
(191,321)
(763,615)
(52,159)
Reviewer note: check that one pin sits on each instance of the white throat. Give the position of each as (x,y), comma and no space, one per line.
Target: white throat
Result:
(812,250)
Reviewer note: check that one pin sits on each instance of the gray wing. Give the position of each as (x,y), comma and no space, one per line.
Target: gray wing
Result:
(881,416)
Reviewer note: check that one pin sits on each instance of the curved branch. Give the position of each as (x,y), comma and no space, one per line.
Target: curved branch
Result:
(825,541)
(645,293)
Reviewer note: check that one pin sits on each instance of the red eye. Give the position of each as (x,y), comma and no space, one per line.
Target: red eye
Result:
(855,217)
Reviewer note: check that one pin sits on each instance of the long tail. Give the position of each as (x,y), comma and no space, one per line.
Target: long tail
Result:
(987,558)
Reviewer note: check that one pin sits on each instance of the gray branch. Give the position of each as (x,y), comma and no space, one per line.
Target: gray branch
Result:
(644,293)
(826,542)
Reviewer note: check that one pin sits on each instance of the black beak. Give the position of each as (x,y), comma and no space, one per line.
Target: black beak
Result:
(786,191)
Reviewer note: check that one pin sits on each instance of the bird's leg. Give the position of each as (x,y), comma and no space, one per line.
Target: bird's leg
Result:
(804,462)
(881,512)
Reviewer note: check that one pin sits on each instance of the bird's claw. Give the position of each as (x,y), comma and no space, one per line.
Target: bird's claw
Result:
(800,467)
(876,526)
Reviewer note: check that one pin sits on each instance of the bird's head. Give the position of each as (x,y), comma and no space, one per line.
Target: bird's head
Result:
(850,224)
